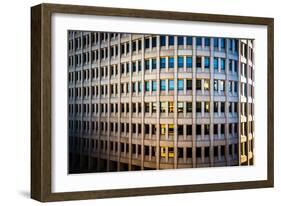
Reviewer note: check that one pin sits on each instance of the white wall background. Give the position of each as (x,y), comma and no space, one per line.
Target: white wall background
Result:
(15,102)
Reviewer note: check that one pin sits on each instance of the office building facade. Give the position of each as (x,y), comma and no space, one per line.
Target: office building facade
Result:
(140,102)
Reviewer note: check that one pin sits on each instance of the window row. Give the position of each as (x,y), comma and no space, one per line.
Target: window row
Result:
(152,42)
(219,151)
(151,108)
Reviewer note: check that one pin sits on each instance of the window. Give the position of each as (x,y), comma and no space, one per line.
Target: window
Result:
(180,107)
(207,129)
(207,107)
(207,41)
(206,85)
(163,106)
(198,84)
(198,107)
(180,40)
(146,43)
(215,129)
(222,107)
(222,64)
(171,62)
(216,88)
(180,84)
(154,41)
(162,62)
(163,129)
(180,61)
(189,41)
(153,63)
(198,41)
(207,62)
(216,63)
(223,43)
(188,129)
(189,84)
(146,107)
(189,62)
(146,63)
(171,129)
(154,86)
(216,43)
(171,85)
(216,107)
(162,85)
(189,107)
(171,107)
(222,86)
(171,40)
(147,86)
(198,130)
(162,40)
(154,107)
(139,86)
(198,62)
(222,129)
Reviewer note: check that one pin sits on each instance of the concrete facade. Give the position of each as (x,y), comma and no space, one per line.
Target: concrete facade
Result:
(140,102)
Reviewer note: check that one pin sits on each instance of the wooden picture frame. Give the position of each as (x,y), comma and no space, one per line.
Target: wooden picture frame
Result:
(41,101)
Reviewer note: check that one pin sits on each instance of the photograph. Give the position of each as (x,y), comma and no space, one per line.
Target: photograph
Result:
(159,101)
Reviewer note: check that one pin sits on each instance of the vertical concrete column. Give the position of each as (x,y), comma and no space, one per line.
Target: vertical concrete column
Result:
(175,102)
(108,101)
(158,104)
(119,104)
(81,102)
(90,161)
(99,101)
(142,102)
(130,105)
(247,99)
(212,102)
(239,102)
(194,102)
(226,131)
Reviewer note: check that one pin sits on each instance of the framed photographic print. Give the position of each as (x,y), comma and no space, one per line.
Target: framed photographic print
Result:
(130,102)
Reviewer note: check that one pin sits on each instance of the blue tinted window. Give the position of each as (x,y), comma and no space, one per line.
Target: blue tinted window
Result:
(153,63)
(222,64)
(171,84)
(154,87)
(139,86)
(180,85)
(216,63)
(147,86)
(162,85)
(171,62)
(216,42)
(230,44)
(207,41)
(189,62)
(207,62)
(198,41)
(162,62)
(180,40)
(162,40)
(180,62)
(235,65)
(235,45)
(171,40)
(223,43)
(189,41)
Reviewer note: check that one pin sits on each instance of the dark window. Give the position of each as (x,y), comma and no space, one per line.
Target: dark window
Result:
(189,41)
(162,62)
(154,42)
(180,61)
(188,129)
(189,84)
(189,107)
(189,62)
(198,84)
(198,41)
(207,41)
(147,43)
(180,40)
(198,152)
(198,62)
(171,40)
(198,129)
(171,62)
(162,40)
(198,107)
